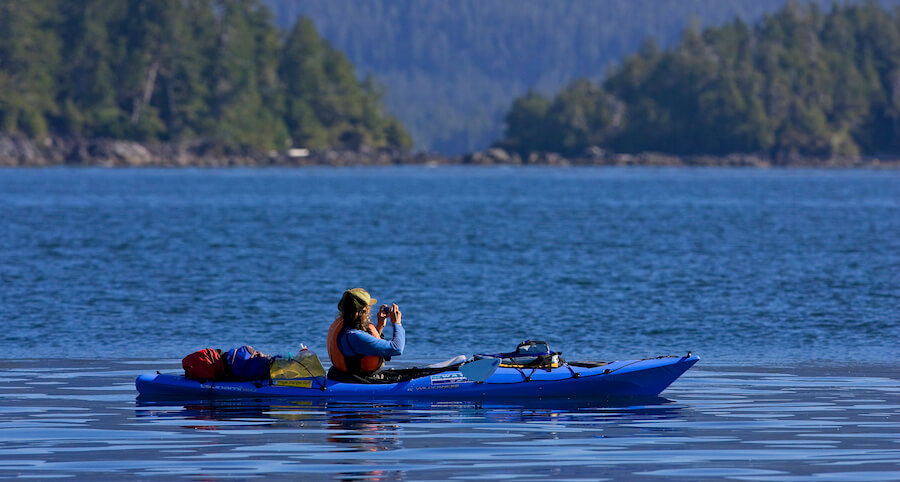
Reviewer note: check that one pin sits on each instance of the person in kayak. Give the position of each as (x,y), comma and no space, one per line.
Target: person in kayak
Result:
(355,346)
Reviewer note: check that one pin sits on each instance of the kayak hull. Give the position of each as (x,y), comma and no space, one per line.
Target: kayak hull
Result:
(622,378)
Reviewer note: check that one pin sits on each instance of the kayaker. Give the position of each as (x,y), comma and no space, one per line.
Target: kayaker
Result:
(355,346)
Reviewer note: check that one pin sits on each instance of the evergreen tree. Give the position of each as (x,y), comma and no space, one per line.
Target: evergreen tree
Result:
(526,124)
(326,104)
(88,78)
(178,70)
(800,82)
(583,114)
(183,88)
(147,32)
(302,72)
(236,102)
(28,60)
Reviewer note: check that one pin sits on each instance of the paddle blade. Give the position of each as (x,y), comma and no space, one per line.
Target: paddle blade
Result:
(479,370)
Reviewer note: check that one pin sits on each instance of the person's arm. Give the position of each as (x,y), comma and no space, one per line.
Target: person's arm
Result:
(366,344)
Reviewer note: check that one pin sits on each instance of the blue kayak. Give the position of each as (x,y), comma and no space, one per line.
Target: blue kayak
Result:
(624,378)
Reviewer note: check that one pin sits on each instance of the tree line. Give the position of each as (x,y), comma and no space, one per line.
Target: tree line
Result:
(213,71)
(453,68)
(802,81)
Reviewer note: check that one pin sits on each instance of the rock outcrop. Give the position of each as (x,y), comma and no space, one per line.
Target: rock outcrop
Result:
(17,151)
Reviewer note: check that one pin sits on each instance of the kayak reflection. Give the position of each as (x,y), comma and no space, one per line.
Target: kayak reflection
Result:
(381,440)
(366,429)
(339,418)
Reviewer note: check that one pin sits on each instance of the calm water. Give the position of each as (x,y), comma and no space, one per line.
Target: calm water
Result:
(787,283)
(82,420)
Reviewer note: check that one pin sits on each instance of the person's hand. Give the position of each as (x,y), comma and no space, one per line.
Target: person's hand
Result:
(382,317)
(395,314)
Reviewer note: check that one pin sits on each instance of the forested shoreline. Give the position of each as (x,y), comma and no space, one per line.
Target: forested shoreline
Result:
(453,68)
(217,73)
(214,83)
(802,83)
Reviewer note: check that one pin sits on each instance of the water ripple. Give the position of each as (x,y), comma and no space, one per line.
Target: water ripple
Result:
(748,424)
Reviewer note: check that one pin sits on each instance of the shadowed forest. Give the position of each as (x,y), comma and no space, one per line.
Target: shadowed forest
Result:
(193,70)
(805,80)
(801,81)
(453,69)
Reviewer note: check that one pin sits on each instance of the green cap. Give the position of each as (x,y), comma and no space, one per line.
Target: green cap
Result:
(355,299)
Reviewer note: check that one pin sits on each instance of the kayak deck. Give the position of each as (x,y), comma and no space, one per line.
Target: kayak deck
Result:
(646,377)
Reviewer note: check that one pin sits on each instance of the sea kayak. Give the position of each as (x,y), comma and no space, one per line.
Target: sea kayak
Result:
(623,378)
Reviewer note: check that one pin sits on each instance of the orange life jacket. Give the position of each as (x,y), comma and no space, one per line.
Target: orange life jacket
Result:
(358,365)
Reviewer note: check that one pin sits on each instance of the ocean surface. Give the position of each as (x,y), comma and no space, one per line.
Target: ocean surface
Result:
(785,282)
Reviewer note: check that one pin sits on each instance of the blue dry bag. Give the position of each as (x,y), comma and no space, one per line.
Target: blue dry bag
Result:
(245,363)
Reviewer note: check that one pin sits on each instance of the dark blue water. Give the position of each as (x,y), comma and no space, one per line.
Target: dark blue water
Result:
(739,266)
(787,283)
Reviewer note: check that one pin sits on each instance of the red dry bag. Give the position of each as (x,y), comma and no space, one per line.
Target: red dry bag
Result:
(206,364)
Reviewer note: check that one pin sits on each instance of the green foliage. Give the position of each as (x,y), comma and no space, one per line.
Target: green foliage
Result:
(525,121)
(177,70)
(28,56)
(301,71)
(238,79)
(800,82)
(583,114)
(454,67)
(327,105)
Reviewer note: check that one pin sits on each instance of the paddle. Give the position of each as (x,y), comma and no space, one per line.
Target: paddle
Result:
(479,370)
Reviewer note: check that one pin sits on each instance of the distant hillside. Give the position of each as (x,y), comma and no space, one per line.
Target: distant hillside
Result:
(453,68)
(190,71)
(802,82)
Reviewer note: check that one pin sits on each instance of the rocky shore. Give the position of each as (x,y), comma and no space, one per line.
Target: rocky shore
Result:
(23,152)
(18,151)
(599,157)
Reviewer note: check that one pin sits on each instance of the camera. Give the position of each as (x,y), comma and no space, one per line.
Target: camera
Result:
(386,309)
